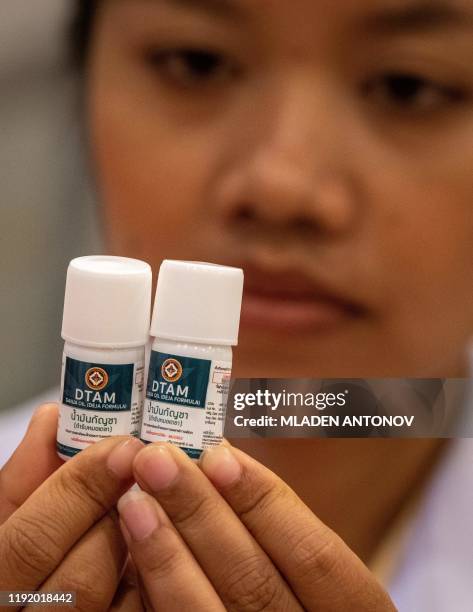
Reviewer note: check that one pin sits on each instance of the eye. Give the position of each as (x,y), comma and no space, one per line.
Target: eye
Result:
(410,92)
(188,67)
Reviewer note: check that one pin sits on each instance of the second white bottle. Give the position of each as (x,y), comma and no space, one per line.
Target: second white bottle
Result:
(195,323)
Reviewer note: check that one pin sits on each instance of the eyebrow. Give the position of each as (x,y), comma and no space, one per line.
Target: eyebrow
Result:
(416,16)
(220,8)
(424,16)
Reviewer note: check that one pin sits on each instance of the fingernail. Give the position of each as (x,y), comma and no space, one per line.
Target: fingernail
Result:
(138,513)
(221,466)
(120,460)
(156,467)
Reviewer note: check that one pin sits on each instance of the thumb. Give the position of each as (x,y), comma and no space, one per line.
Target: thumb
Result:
(32,462)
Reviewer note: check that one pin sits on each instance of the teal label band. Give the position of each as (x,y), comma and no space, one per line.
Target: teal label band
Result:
(68,451)
(193,453)
(99,387)
(178,380)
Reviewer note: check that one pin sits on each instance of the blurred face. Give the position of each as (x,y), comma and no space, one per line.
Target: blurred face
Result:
(325,146)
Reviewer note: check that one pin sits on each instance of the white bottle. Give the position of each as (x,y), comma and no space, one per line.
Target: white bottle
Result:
(195,323)
(105,326)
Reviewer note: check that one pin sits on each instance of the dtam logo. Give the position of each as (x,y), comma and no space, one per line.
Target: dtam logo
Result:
(171,370)
(96,378)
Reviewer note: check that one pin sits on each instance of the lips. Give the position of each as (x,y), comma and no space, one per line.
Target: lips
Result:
(292,301)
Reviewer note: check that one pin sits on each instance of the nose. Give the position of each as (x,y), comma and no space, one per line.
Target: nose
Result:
(292,169)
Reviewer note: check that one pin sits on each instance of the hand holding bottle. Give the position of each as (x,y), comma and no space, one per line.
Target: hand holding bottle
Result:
(59,530)
(231,535)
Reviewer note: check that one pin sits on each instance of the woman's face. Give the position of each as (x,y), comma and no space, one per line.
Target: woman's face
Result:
(324,146)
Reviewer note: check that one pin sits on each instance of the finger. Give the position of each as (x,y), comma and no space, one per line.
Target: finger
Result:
(92,568)
(171,577)
(128,596)
(323,572)
(36,538)
(241,572)
(32,462)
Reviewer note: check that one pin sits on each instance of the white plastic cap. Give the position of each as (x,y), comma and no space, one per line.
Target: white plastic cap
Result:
(107,302)
(198,302)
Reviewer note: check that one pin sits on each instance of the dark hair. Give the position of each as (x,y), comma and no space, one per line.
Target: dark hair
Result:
(81,30)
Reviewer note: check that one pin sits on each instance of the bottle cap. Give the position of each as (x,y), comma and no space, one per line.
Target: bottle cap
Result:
(107,302)
(198,302)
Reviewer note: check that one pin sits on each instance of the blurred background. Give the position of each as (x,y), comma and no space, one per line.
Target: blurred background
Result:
(46,208)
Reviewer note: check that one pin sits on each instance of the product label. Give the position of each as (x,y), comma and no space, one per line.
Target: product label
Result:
(98,400)
(185,401)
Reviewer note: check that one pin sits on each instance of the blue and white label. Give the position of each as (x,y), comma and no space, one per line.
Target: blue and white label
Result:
(98,400)
(185,401)
(178,380)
